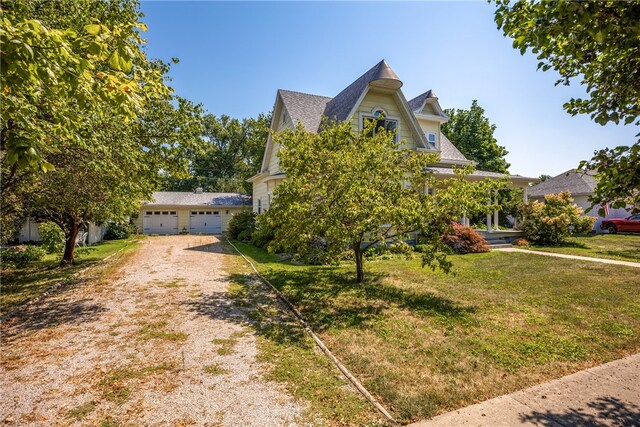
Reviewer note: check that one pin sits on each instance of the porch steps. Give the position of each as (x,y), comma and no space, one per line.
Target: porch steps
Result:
(496,242)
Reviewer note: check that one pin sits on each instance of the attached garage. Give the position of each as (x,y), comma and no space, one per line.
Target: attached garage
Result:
(205,222)
(198,212)
(160,222)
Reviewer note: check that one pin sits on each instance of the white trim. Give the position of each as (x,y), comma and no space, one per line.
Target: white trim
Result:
(417,129)
(357,104)
(431,117)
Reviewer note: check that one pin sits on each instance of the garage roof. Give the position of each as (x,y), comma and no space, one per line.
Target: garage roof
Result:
(184,198)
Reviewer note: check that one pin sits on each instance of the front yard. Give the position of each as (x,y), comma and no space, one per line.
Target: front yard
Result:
(426,342)
(625,247)
(24,284)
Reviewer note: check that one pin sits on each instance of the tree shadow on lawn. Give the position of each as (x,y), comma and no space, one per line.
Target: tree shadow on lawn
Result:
(330,298)
(602,411)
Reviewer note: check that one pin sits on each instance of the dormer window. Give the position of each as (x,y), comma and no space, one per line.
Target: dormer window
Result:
(431,139)
(382,121)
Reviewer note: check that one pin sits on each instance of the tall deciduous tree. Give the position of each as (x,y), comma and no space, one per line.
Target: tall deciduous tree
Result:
(598,44)
(233,153)
(354,190)
(61,61)
(472,133)
(88,146)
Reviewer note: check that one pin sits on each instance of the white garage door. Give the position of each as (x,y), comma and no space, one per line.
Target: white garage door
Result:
(205,222)
(160,222)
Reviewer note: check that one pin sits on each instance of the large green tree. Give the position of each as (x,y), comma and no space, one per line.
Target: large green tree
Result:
(472,133)
(60,61)
(598,44)
(233,153)
(89,146)
(354,190)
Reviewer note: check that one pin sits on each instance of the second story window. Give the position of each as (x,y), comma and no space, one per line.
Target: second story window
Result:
(381,122)
(431,139)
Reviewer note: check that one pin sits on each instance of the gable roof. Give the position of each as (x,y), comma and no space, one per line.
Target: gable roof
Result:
(339,107)
(576,183)
(304,108)
(417,102)
(187,198)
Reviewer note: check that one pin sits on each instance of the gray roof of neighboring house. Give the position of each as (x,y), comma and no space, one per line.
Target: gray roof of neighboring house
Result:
(304,108)
(572,181)
(341,105)
(184,198)
(417,102)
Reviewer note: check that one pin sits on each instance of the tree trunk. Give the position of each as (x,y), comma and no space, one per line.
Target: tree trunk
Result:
(70,236)
(357,251)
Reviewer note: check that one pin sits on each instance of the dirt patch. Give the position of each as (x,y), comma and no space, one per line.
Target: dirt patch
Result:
(157,342)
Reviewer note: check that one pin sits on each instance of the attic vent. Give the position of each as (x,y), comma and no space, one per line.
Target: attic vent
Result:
(199,190)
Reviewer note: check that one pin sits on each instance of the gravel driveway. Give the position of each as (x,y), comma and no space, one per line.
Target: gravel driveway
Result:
(155,342)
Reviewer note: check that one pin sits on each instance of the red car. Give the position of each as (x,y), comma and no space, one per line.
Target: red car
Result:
(614,225)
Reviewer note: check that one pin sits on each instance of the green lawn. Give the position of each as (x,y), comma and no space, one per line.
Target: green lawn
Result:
(426,342)
(625,247)
(22,285)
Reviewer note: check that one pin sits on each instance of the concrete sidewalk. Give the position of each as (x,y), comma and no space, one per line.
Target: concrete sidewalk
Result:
(607,395)
(581,258)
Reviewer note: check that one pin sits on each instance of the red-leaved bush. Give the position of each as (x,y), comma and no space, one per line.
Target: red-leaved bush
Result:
(465,240)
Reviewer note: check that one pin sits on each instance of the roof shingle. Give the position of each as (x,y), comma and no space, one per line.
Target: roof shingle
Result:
(183,198)
(576,183)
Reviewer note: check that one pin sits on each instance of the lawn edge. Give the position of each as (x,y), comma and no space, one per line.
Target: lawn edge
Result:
(60,285)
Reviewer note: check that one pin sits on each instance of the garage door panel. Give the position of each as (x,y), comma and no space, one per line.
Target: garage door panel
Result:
(205,222)
(160,222)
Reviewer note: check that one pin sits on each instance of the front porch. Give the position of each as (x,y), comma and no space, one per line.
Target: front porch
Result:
(497,237)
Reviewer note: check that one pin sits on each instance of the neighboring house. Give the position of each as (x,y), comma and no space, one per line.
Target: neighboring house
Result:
(581,185)
(30,232)
(377,91)
(198,212)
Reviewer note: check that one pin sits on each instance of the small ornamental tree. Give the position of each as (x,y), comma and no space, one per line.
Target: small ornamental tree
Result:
(349,189)
(554,220)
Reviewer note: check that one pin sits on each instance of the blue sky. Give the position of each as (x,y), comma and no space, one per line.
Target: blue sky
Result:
(235,55)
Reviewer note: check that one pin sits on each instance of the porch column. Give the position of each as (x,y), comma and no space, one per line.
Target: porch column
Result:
(465,219)
(489,215)
(525,195)
(496,227)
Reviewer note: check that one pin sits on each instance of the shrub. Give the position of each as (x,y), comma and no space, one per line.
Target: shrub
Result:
(554,220)
(245,236)
(52,237)
(465,240)
(401,248)
(421,248)
(521,242)
(21,256)
(118,230)
(242,222)
(262,236)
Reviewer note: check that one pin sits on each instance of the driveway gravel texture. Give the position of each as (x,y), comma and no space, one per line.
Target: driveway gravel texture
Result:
(155,341)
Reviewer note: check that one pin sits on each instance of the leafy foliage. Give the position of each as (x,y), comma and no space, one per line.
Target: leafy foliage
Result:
(52,237)
(103,154)
(553,221)
(61,60)
(465,240)
(233,153)
(21,256)
(598,43)
(117,230)
(618,173)
(595,41)
(472,133)
(242,223)
(349,189)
